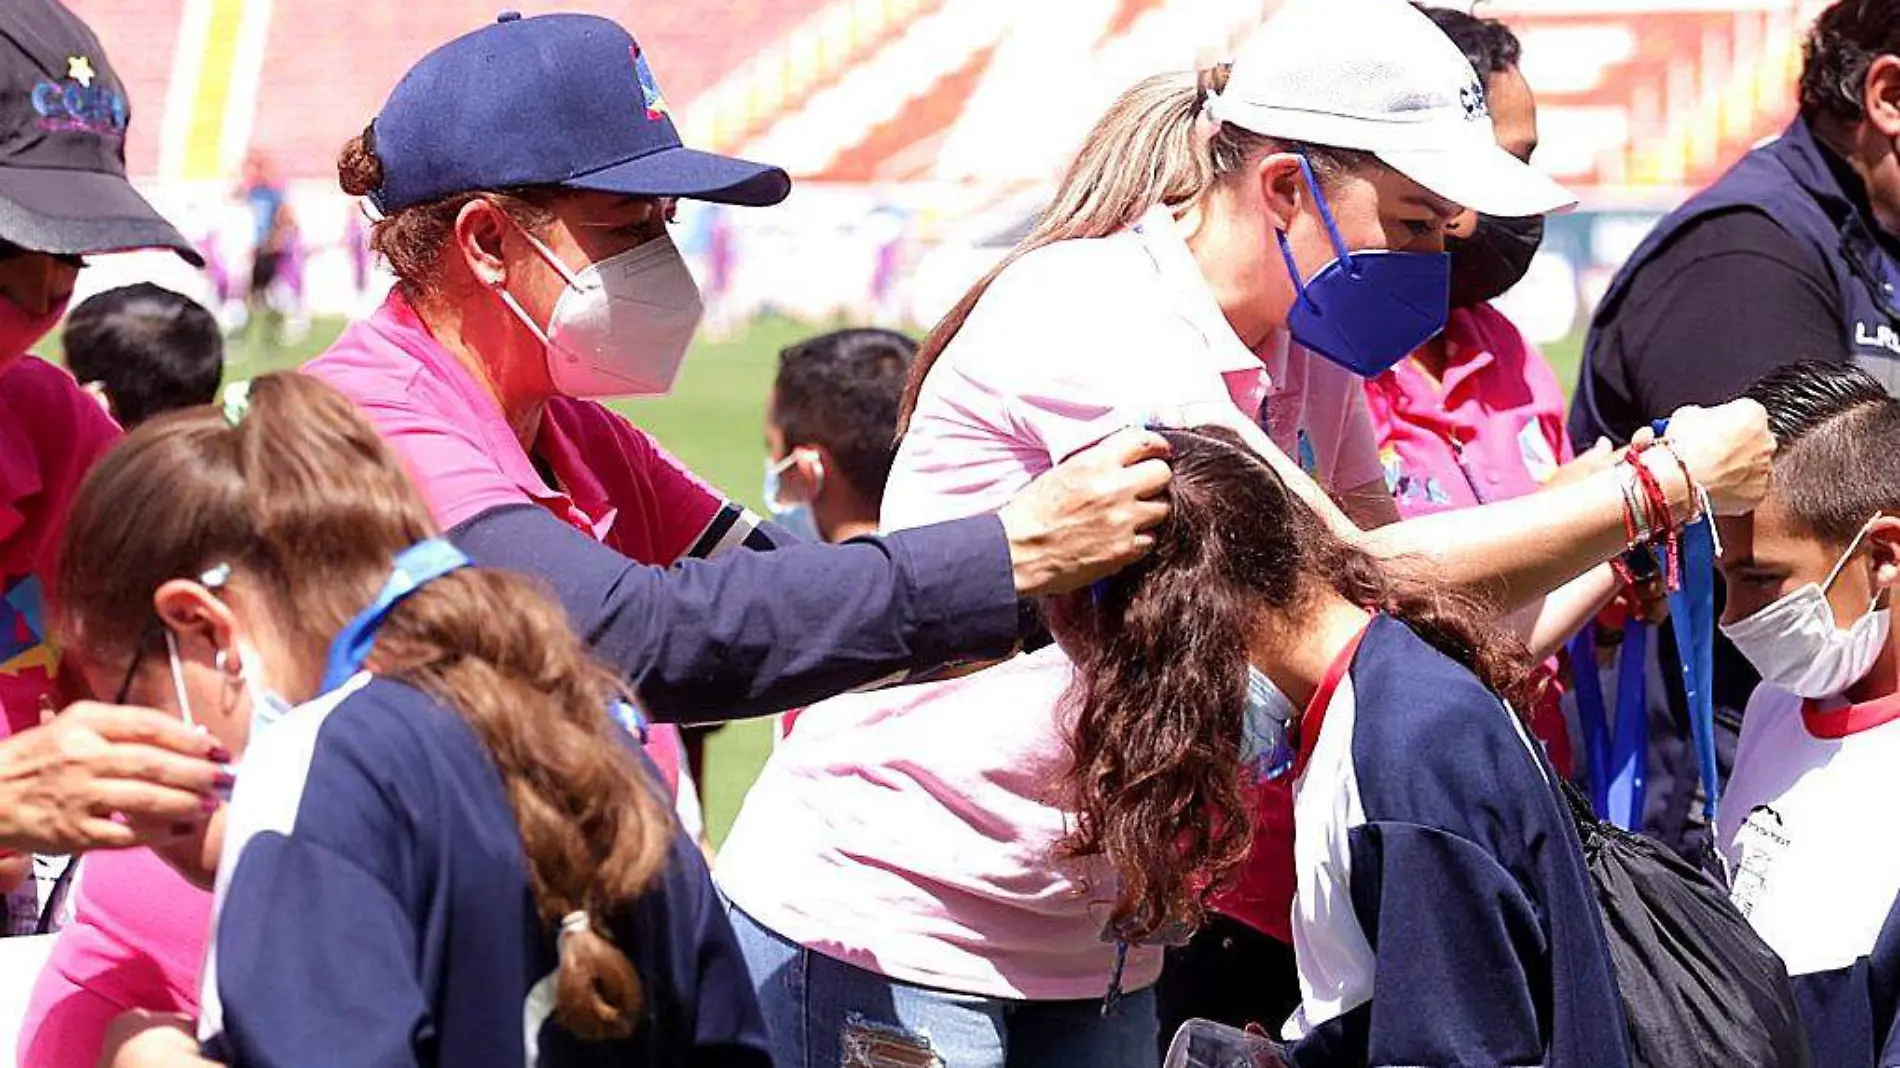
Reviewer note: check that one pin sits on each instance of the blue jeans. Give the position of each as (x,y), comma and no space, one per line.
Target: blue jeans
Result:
(824,1013)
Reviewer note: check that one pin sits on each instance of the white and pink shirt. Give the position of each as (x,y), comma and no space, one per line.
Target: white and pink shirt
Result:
(915,832)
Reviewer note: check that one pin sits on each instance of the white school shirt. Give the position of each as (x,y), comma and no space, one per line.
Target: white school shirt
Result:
(914,832)
(1803,825)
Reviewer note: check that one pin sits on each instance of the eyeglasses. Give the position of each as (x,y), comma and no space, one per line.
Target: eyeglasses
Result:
(146,635)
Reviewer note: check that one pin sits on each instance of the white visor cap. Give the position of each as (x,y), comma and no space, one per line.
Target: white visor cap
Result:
(1380,77)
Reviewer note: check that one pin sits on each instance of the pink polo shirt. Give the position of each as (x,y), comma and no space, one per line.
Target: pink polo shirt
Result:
(1493,430)
(915,832)
(617,485)
(51,433)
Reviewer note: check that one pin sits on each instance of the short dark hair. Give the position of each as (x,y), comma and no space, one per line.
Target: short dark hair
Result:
(840,390)
(1489,45)
(152,349)
(1837,433)
(1845,41)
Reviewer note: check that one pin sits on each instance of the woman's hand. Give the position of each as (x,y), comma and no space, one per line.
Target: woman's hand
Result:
(1727,449)
(106,777)
(1087,518)
(142,1039)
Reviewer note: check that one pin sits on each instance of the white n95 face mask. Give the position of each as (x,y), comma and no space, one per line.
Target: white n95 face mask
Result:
(1795,644)
(622,326)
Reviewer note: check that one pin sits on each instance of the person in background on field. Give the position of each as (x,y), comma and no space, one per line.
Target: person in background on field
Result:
(1793,254)
(272,239)
(1811,574)
(144,351)
(831,434)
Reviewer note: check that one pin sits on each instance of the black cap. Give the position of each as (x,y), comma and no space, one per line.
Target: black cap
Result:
(63,116)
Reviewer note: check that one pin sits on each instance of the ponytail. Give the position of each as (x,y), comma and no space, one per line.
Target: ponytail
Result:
(1157,718)
(594,830)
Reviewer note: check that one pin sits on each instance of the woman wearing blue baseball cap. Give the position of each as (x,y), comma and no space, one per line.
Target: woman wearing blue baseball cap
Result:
(522,174)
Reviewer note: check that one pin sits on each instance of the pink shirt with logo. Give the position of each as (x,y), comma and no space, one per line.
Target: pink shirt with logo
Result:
(914,832)
(1493,430)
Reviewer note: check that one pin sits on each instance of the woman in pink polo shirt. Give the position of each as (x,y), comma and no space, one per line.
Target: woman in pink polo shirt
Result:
(896,875)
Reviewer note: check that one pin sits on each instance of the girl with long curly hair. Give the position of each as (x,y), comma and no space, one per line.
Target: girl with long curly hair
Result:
(1443,914)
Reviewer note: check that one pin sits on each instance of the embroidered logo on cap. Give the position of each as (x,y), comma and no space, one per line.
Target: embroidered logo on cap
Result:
(76,103)
(649,89)
(1472,97)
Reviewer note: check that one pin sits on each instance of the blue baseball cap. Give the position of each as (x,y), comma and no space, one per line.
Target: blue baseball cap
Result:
(562,100)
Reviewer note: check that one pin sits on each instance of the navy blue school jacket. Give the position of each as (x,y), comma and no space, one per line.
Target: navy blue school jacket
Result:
(373,910)
(1444,914)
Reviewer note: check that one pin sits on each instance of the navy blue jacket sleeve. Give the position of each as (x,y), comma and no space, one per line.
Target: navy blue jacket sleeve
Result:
(751,633)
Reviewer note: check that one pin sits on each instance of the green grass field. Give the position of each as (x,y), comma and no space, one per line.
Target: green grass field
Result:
(713,422)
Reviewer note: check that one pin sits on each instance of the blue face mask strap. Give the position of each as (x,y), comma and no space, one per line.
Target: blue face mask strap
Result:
(415,567)
(1332,230)
(1326,215)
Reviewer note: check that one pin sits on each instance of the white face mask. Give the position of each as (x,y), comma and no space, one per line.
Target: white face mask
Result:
(1266,753)
(1795,644)
(796,517)
(267,705)
(622,326)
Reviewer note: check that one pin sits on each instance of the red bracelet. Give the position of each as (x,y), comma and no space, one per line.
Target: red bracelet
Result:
(1659,504)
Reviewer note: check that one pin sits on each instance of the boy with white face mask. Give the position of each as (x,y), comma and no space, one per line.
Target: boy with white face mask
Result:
(1810,576)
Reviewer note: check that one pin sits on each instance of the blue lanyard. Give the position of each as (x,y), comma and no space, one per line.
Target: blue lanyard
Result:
(1692,614)
(1615,754)
(1618,762)
(414,568)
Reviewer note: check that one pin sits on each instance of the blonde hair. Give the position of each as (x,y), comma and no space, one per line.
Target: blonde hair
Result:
(1151,147)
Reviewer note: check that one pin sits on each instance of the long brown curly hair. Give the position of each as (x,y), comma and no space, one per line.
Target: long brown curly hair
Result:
(1161,659)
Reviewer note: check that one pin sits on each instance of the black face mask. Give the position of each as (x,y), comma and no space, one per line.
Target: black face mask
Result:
(1493,259)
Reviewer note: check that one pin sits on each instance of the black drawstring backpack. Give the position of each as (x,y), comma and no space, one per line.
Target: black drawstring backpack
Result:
(1699,986)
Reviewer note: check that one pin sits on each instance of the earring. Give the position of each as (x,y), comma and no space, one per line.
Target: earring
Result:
(218,661)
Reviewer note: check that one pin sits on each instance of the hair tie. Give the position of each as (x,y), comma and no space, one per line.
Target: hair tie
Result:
(1210,106)
(576,922)
(236,401)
